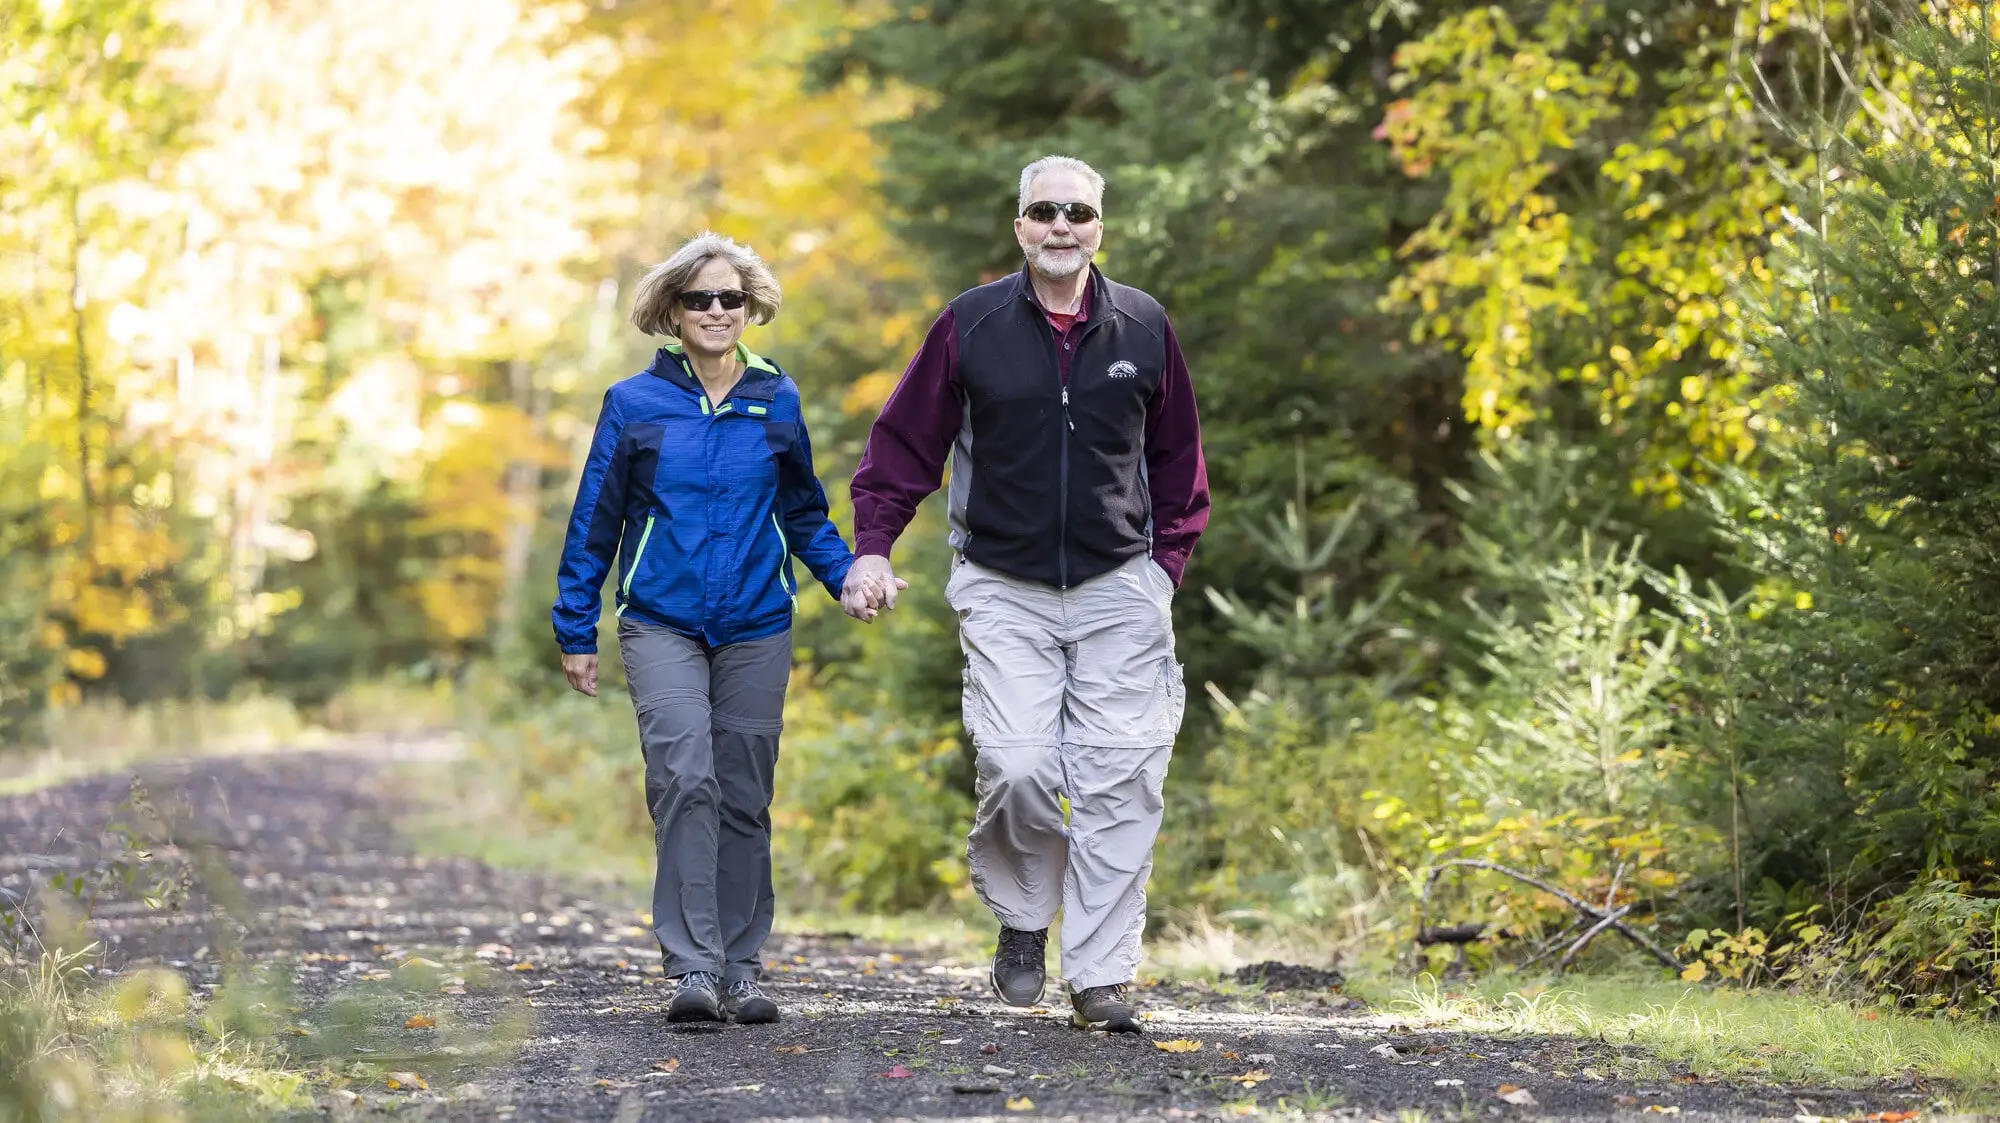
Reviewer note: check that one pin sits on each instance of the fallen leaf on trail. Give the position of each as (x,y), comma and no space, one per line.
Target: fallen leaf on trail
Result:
(298,1031)
(1252,1078)
(989,1048)
(1020,1103)
(996,1070)
(1231,1055)
(671,1064)
(1624,1101)
(1384,1050)
(1517,1095)
(421,1021)
(1261,1059)
(397,1081)
(1661,1109)
(1240,1110)
(1695,972)
(613,1085)
(899,1073)
(1179,1045)
(794,1050)
(522,966)
(1893,1116)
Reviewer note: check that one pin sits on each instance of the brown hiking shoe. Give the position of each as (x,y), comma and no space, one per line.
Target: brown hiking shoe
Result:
(1103,1008)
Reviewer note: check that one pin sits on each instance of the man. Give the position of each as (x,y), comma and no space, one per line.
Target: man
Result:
(1077,494)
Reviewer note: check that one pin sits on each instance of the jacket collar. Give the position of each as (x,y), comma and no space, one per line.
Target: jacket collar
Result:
(759,381)
(1097,296)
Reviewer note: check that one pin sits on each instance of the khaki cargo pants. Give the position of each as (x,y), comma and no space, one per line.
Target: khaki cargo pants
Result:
(1075,693)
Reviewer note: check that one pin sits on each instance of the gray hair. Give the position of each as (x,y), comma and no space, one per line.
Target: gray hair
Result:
(1055,163)
(665,281)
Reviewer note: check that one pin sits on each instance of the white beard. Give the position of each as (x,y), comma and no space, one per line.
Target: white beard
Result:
(1059,269)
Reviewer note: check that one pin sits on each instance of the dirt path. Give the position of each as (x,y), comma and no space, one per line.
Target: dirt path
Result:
(333,900)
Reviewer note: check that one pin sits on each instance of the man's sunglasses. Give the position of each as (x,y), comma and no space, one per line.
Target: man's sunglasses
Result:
(1045,212)
(699,300)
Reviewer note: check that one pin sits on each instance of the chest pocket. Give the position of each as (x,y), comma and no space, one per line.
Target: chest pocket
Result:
(741,463)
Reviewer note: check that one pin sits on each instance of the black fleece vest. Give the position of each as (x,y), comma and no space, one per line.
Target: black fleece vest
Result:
(1058,491)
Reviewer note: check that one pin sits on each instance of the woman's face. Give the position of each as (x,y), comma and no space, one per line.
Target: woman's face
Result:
(713,330)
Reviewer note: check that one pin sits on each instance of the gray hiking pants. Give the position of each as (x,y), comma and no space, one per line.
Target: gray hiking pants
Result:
(1069,693)
(709,719)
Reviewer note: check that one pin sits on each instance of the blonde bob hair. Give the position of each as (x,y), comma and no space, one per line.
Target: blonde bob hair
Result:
(651,306)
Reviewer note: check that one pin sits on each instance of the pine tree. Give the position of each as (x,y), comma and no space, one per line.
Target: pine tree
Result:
(1874,752)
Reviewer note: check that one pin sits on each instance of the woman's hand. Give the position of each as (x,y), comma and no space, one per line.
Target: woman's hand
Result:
(581,670)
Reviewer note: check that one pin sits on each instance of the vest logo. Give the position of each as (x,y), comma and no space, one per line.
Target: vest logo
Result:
(1122,369)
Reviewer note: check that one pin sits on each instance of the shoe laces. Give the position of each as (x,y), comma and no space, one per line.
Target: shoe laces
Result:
(745,988)
(699,979)
(1113,991)
(1022,949)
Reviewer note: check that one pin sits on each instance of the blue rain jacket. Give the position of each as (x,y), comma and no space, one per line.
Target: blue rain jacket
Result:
(703,506)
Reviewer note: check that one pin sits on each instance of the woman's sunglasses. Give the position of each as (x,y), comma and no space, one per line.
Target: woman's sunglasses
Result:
(1045,212)
(699,300)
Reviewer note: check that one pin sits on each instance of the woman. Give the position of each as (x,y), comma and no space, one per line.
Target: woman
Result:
(700,480)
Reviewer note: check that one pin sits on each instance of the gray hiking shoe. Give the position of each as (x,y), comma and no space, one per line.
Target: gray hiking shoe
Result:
(697,999)
(1103,1008)
(1017,976)
(748,1005)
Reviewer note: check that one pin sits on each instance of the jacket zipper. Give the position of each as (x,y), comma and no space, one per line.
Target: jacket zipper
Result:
(1062,511)
(1069,426)
(784,551)
(625,593)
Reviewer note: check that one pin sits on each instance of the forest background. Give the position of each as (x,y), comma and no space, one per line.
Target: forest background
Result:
(1599,400)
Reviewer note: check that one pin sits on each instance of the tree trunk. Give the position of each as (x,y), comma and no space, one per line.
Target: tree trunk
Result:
(523,490)
(76,304)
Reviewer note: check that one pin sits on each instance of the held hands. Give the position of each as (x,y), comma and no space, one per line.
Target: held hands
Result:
(871,586)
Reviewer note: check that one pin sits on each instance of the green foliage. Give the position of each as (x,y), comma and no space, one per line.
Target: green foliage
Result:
(868,819)
(1868,757)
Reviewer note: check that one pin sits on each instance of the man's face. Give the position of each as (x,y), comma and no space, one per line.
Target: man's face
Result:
(1059,249)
